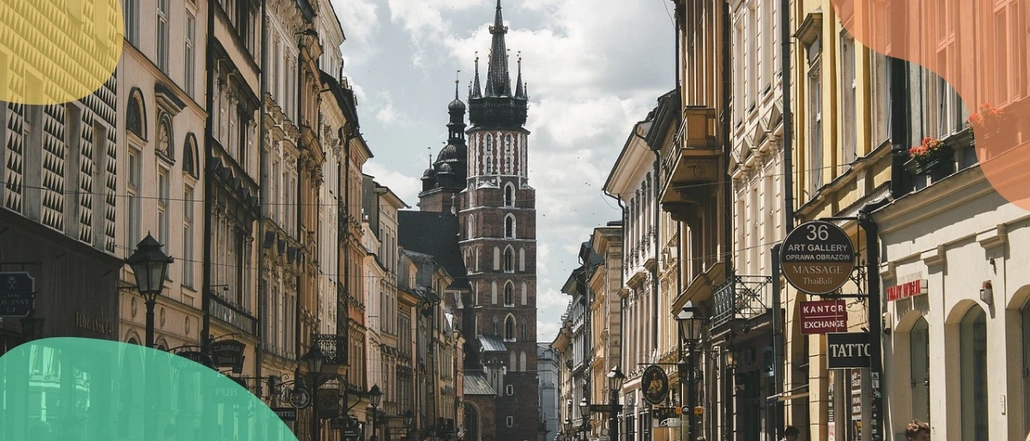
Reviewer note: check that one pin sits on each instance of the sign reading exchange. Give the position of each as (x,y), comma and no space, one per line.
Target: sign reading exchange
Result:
(824,316)
(817,257)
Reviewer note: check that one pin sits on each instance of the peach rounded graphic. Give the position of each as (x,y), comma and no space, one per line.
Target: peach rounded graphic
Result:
(977,46)
(56,51)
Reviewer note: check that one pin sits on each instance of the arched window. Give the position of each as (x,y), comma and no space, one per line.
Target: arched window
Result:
(511,364)
(509,157)
(471,226)
(522,358)
(488,158)
(509,328)
(525,336)
(509,227)
(509,260)
(509,294)
(496,330)
(509,195)
(164,137)
(189,156)
(973,374)
(919,350)
(135,115)
(1025,315)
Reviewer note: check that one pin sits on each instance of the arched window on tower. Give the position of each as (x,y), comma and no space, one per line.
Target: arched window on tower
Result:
(471,225)
(509,155)
(496,330)
(509,227)
(509,294)
(525,336)
(509,195)
(509,260)
(509,328)
(488,156)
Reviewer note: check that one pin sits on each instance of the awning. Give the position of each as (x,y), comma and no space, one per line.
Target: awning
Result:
(797,392)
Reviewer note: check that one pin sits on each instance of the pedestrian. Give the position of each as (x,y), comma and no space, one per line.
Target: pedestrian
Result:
(918,431)
(791,433)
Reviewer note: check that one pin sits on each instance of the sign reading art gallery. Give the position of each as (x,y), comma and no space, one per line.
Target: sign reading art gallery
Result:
(817,257)
(848,350)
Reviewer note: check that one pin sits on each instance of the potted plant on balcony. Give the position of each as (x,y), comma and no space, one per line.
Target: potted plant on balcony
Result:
(929,155)
(986,120)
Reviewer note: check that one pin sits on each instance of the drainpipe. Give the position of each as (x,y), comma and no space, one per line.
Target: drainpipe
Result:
(726,187)
(654,273)
(788,115)
(867,223)
(212,78)
(263,163)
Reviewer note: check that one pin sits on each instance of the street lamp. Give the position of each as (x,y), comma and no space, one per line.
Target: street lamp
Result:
(615,380)
(314,359)
(584,412)
(374,397)
(150,266)
(729,359)
(691,321)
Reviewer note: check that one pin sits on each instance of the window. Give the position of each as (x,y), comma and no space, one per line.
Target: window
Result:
(509,328)
(189,157)
(509,260)
(1025,341)
(190,54)
(187,237)
(162,35)
(134,115)
(509,294)
(509,195)
(879,105)
(496,324)
(488,157)
(509,155)
(471,227)
(525,337)
(510,421)
(509,227)
(510,390)
(163,220)
(133,201)
(525,289)
(130,10)
(815,131)
(849,122)
(973,375)
(919,350)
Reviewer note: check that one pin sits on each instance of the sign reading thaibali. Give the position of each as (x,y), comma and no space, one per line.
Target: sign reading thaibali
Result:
(824,316)
(817,257)
(655,384)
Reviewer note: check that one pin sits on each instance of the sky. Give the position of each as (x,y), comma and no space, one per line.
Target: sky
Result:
(593,68)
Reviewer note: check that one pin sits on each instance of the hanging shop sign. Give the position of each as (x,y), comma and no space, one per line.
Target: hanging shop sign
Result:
(848,350)
(196,357)
(17,294)
(823,317)
(228,353)
(906,290)
(285,413)
(666,416)
(655,384)
(328,402)
(817,257)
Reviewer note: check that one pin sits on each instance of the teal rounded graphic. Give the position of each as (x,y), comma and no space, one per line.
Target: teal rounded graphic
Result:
(80,389)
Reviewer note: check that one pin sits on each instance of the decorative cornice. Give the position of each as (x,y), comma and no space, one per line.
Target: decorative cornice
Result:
(993,238)
(934,257)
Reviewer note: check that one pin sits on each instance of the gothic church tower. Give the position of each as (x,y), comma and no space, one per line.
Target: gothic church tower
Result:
(498,240)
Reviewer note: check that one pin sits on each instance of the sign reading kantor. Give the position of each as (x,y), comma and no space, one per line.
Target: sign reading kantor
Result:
(817,257)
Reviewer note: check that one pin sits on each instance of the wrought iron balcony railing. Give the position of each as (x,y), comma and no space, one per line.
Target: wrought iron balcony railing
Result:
(334,347)
(739,298)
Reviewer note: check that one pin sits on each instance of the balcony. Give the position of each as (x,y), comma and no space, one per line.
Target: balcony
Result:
(692,163)
(334,347)
(739,298)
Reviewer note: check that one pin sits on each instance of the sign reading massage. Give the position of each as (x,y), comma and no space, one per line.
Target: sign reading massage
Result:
(817,257)
(848,350)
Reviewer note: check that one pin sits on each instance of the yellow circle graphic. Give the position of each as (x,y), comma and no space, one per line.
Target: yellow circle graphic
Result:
(56,51)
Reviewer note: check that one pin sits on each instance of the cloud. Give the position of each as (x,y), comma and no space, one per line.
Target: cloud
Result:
(547,330)
(404,186)
(552,298)
(360,22)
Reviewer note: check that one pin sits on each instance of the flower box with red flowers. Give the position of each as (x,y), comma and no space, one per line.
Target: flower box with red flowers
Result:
(929,155)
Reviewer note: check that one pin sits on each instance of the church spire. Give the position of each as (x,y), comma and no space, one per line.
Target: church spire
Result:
(498,81)
(474,93)
(520,92)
